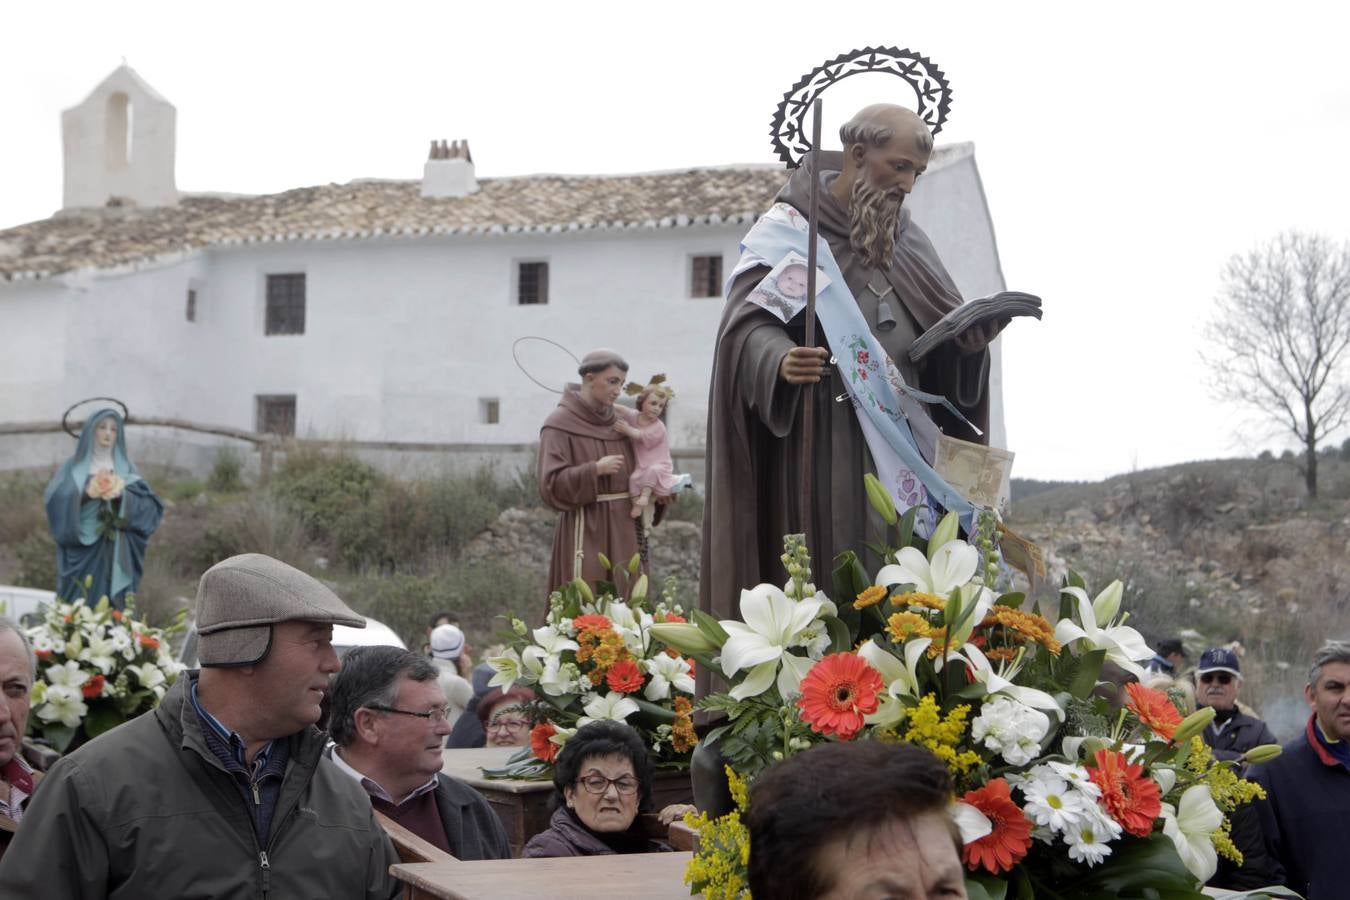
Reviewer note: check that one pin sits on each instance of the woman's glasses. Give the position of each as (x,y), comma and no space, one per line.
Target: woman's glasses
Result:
(598,784)
(515,726)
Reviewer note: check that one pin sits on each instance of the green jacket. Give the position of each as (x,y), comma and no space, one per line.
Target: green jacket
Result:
(148,811)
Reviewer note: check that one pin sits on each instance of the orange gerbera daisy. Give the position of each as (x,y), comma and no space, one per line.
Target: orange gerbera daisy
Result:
(870,597)
(1154,709)
(1128,795)
(624,676)
(837,693)
(540,744)
(592,623)
(1004,846)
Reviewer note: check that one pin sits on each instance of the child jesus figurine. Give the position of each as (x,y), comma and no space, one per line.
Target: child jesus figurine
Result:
(654,473)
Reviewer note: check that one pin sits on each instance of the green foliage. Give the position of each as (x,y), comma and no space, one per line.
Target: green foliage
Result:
(181,490)
(227,473)
(688,507)
(323,489)
(36,557)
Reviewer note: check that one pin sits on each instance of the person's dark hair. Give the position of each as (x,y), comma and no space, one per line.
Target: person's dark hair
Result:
(445,614)
(1168,646)
(370,677)
(806,801)
(604,738)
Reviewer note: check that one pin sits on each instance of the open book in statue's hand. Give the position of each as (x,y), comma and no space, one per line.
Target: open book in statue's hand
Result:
(997,309)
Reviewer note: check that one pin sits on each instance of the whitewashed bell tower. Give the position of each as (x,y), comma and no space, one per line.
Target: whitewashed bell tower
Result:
(119,145)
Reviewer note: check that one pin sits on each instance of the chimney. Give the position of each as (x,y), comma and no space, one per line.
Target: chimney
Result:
(449,171)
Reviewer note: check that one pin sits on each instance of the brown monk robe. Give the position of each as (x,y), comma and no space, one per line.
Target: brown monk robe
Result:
(754,420)
(584,465)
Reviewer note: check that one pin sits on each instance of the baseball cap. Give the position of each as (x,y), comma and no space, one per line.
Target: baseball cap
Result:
(240,598)
(1218,659)
(447,642)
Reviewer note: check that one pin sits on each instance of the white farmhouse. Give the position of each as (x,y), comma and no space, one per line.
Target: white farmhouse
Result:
(383,311)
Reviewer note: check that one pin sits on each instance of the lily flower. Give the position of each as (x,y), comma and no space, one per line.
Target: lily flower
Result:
(667,672)
(760,644)
(511,667)
(552,641)
(953,565)
(1190,826)
(901,679)
(613,705)
(1123,645)
(1000,680)
(63,704)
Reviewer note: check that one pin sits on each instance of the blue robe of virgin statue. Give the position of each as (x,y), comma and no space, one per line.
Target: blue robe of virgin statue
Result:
(114,561)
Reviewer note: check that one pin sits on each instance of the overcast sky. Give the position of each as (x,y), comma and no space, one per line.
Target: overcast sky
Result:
(1126,150)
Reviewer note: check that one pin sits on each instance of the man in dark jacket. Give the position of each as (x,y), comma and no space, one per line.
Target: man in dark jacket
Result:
(389,722)
(1308,786)
(222,791)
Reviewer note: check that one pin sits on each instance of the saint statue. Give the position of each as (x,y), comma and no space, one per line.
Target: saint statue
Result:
(101,514)
(584,465)
(894,289)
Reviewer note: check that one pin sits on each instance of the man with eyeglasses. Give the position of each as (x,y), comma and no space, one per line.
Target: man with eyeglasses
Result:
(389,722)
(1233,732)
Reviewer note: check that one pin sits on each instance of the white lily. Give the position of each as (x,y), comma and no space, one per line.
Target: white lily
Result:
(1123,645)
(554,680)
(511,668)
(1190,826)
(148,674)
(613,705)
(667,672)
(100,652)
(953,565)
(552,641)
(972,823)
(63,704)
(1000,681)
(68,674)
(760,644)
(901,679)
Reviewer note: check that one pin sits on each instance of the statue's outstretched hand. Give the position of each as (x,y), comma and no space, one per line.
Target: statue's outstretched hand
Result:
(803,365)
(609,465)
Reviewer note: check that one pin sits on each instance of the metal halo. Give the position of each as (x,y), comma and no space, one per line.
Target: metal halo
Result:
(930,85)
(531,337)
(65,416)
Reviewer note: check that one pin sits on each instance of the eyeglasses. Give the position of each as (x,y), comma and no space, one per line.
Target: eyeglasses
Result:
(1220,677)
(436,716)
(598,784)
(507,725)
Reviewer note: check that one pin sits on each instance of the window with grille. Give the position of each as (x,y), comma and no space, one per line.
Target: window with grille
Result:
(705,276)
(286,304)
(489,411)
(191,311)
(276,414)
(531,283)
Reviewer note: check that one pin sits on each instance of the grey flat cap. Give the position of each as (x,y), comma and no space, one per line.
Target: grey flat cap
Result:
(239,599)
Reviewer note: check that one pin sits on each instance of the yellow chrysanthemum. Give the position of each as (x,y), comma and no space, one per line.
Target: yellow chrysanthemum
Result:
(870,597)
(919,598)
(1026,624)
(905,625)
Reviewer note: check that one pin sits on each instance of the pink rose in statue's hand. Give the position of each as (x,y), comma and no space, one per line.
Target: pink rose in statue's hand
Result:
(105,485)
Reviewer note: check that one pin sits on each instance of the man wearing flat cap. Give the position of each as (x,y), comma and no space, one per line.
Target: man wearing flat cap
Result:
(222,790)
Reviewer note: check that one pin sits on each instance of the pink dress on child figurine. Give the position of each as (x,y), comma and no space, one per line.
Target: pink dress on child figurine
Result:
(654,469)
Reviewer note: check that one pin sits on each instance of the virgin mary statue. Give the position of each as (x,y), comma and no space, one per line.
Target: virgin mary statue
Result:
(102,514)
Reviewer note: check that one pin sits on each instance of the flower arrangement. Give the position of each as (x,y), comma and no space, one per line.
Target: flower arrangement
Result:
(596,657)
(1065,787)
(97,668)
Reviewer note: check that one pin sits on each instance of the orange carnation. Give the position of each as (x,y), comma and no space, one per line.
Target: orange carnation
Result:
(93,687)
(1154,709)
(1128,795)
(1004,846)
(838,693)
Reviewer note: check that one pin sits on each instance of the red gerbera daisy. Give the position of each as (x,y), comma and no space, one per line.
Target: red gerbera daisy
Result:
(837,693)
(1128,795)
(592,623)
(93,687)
(1004,846)
(624,676)
(672,617)
(1154,709)
(540,744)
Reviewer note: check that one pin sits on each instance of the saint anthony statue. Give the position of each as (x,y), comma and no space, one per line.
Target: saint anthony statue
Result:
(584,464)
(897,288)
(102,514)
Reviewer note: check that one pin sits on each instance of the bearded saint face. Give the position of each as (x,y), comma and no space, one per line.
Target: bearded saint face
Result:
(885,175)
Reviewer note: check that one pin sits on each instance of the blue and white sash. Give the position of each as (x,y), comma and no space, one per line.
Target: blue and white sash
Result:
(874,384)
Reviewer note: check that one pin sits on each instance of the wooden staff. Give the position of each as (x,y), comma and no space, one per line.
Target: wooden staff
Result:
(809,401)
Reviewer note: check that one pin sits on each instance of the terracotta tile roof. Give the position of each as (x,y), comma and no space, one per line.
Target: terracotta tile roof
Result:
(126,238)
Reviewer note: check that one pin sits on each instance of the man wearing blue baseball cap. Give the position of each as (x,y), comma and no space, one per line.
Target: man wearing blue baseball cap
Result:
(1233,732)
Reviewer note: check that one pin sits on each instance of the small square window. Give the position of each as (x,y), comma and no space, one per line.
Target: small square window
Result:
(286,304)
(191,311)
(531,283)
(276,414)
(705,276)
(489,410)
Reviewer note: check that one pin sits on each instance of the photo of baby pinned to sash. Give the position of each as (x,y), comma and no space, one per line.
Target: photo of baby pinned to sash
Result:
(783,291)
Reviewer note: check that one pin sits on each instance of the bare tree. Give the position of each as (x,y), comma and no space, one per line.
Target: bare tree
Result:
(1280,337)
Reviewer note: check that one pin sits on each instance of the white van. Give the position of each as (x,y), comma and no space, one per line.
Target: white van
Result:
(23,605)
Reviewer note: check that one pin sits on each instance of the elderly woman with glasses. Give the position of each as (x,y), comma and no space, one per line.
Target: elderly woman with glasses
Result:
(507,716)
(602,780)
